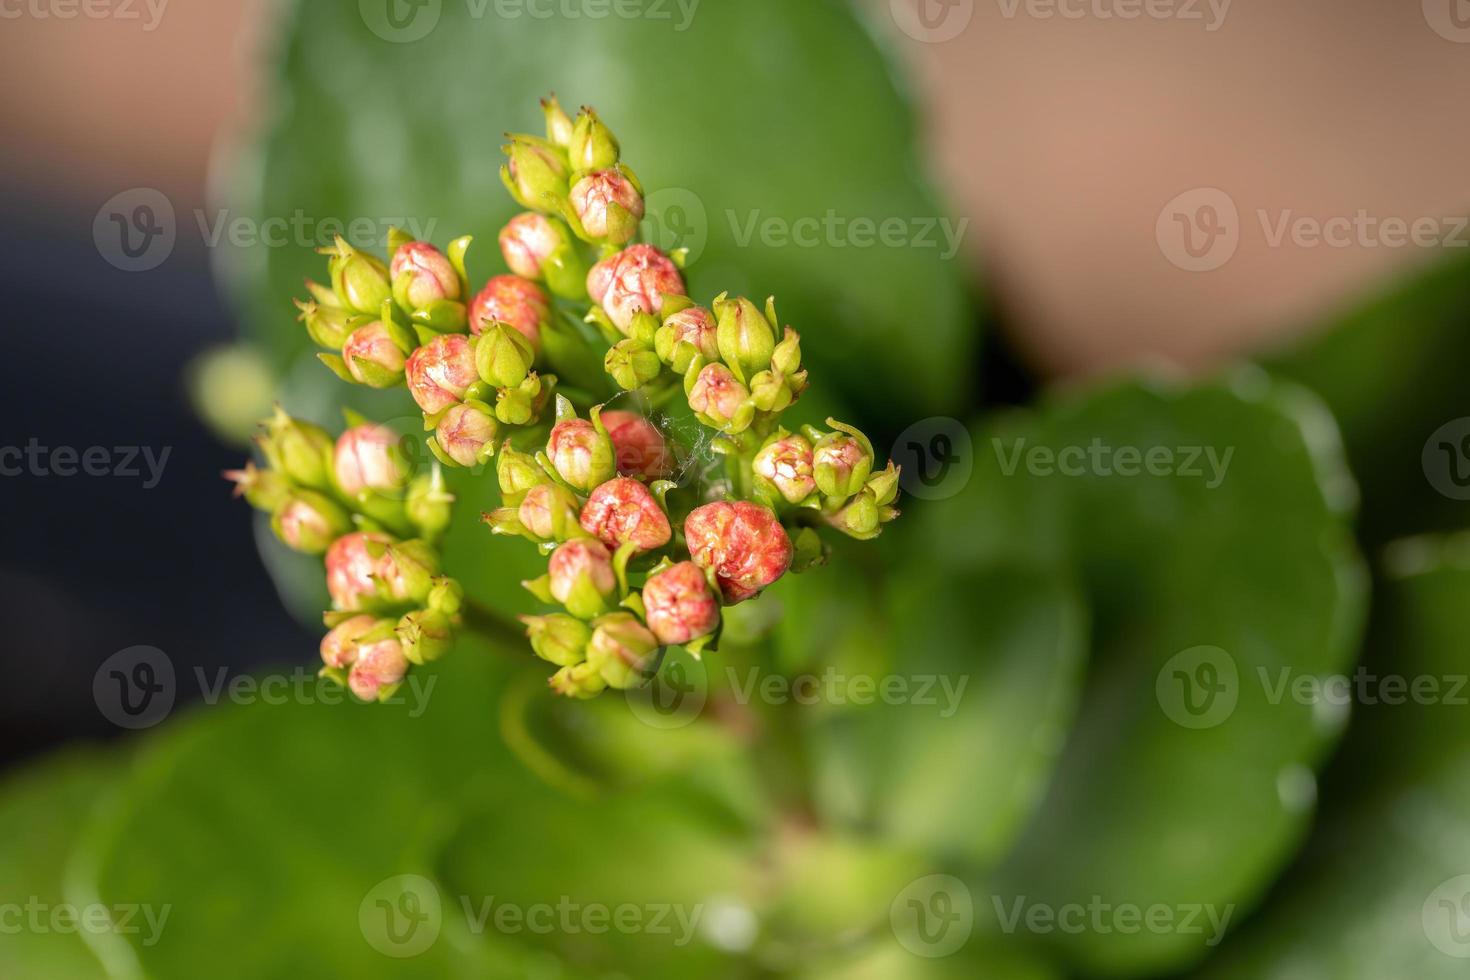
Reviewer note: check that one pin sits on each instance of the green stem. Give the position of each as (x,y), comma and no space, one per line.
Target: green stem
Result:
(501,633)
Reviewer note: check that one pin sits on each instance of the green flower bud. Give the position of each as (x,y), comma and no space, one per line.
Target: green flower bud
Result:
(558,123)
(884,484)
(549,512)
(536,174)
(503,356)
(300,450)
(786,358)
(841,461)
(783,467)
(770,393)
(406,571)
(631,364)
(808,551)
(515,406)
(745,337)
(581,681)
(592,146)
(446,596)
(428,503)
(685,334)
(327,326)
(309,522)
(558,638)
(360,280)
(425,635)
(580,577)
(262,489)
(622,650)
(517,472)
(582,453)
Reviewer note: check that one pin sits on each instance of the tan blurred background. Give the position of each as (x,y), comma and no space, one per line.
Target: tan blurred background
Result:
(1061,127)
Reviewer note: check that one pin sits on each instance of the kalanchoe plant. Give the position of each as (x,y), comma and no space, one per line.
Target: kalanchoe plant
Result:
(643,551)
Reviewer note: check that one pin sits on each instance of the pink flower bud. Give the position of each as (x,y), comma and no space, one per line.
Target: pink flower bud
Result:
(371,356)
(717,395)
(841,462)
(339,646)
(350,569)
(440,371)
(638,446)
(693,325)
(367,458)
(514,301)
(528,240)
(623,510)
(622,650)
(608,205)
(380,665)
(582,455)
(786,464)
(548,511)
(421,274)
(635,280)
(581,577)
(743,542)
(309,522)
(679,605)
(465,432)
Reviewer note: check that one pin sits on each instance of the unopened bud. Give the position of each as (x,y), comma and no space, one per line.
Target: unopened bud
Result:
(368,457)
(512,300)
(441,371)
(623,510)
(746,338)
(262,489)
(503,356)
(549,512)
(558,638)
(622,650)
(429,504)
(558,123)
(580,681)
(536,174)
(406,571)
(631,364)
(640,450)
(300,450)
(743,543)
(635,280)
(592,145)
(327,326)
(684,334)
(372,356)
(350,569)
(678,604)
(862,517)
(309,522)
(841,461)
(360,280)
(884,484)
(720,400)
(539,247)
(425,635)
(609,206)
(380,666)
(466,434)
(339,646)
(770,392)
(582,455)
(422,275)
(784,465)
(517,473)
(581,577)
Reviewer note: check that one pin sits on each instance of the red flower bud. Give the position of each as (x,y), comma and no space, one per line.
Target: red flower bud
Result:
(372,357)
(717,395)
(467,434)
(638,446)
(743,542)
(528,240)
(679,605)
(581,577)
(608,205)
(635,280)
(339,646)
(421,274)
(380,665)
(582,456)
(623,510)
(440,371)
(512,300)
(350,569)
(548,511)
(786,465)
(367,458)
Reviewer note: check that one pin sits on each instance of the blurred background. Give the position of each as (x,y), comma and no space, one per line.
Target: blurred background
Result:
(1169,186)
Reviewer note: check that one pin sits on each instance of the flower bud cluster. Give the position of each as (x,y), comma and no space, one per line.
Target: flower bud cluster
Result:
(354,501)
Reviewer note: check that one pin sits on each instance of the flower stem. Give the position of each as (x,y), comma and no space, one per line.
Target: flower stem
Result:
(501,633)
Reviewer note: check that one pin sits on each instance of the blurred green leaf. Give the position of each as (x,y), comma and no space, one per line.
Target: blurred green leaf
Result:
(1167,795)
(1386,890)
(1392,373)
(42,810)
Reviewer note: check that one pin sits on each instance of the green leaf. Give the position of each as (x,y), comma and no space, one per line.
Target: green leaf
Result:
(42,810)
(1386,890)
(796,117)
(1150,804)
(1392,373)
